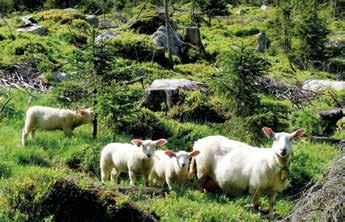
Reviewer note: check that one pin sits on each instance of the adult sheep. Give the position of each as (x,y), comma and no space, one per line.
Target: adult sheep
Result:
(135,158)
(47,118)
(256,170)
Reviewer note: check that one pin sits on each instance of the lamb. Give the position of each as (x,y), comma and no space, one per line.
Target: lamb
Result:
(257,170)
(211,147)
(171,167)
(133,158)
(47,118)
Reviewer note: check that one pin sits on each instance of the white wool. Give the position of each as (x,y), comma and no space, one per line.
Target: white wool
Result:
(47,118)
(134,159)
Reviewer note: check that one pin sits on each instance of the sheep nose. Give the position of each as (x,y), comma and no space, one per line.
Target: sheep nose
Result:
(183,164)
(283,152)
(149,155)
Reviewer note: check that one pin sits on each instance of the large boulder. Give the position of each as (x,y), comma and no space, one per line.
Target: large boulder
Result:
(105,36)
(92,19)
(159,40)
(318,85)
(34,28)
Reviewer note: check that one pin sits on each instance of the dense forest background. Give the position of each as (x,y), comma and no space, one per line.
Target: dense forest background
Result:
(243,65)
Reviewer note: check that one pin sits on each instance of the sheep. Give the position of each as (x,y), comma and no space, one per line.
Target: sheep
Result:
(133,158)
(210,147)
(171,166)
(257,170)
(41,117)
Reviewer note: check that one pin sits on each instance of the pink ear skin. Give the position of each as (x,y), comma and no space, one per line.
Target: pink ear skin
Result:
(81,111)
(170,153)
(298,133)
(268,132)
(194,153)
(137,142)
(160,142)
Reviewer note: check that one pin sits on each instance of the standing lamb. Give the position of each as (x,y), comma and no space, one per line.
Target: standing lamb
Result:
(171,167)
(134,159)
(47,118)
(257,170)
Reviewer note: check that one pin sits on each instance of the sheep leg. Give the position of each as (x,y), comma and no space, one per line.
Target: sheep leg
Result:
(255,201)
(132,178)
(33,134)
(24,137)
(68,132)
(271,203)
(169,182)
(114,175)
(146,179)
(104,173)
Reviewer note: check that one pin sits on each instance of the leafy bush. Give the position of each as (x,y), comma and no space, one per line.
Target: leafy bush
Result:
(59,15)
(49,4)
(307,119)
(70,92)
(247,32)
(5,170)
(92,6)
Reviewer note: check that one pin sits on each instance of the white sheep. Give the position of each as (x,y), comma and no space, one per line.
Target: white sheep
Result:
(211,147)
(171,167)
(133,158)
(47,118)
(256,170)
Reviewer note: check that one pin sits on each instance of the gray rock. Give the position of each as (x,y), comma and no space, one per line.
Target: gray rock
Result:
(318,85)
(61,76)
(159,39)
(27,21)
(264,7)
(92,19)
(72,10)
(34,28)
(106,35)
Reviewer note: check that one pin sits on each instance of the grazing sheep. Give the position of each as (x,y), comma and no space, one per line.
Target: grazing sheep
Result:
(171,167)
(124,157)
(257,170)
(211,147)
(41,117)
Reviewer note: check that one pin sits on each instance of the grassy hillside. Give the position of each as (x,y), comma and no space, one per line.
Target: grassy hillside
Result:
(29,176)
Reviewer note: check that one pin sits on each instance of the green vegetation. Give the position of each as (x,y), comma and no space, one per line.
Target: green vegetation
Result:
(107,77)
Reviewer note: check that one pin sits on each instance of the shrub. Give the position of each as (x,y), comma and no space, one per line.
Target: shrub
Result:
(49,4)
(5,170)
(70,92)
(309,120)
(247,32)
(92,6)
(59,15)
(32,157)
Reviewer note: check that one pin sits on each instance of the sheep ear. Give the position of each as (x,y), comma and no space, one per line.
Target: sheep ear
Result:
(268,132)
(297,133)
(81,111)
(194,153)
(160,142)
(170,153)
(137,142)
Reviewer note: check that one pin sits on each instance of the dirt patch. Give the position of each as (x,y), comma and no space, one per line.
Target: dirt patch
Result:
(65,201)
(325,200)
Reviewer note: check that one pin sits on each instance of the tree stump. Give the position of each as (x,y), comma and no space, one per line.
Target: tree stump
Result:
(192,35)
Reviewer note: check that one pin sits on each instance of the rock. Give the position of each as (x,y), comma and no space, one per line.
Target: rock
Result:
(263,42)
(92,19)
(107,35)
(34,28)
(159,40)
(264,7)
(329,120)
(148,23)
(242,11)
(27,21)
(317,85)
(59,76)
(72,10)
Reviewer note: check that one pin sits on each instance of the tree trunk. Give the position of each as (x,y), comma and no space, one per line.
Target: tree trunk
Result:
(167,25)
(94,120)
(192,35)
